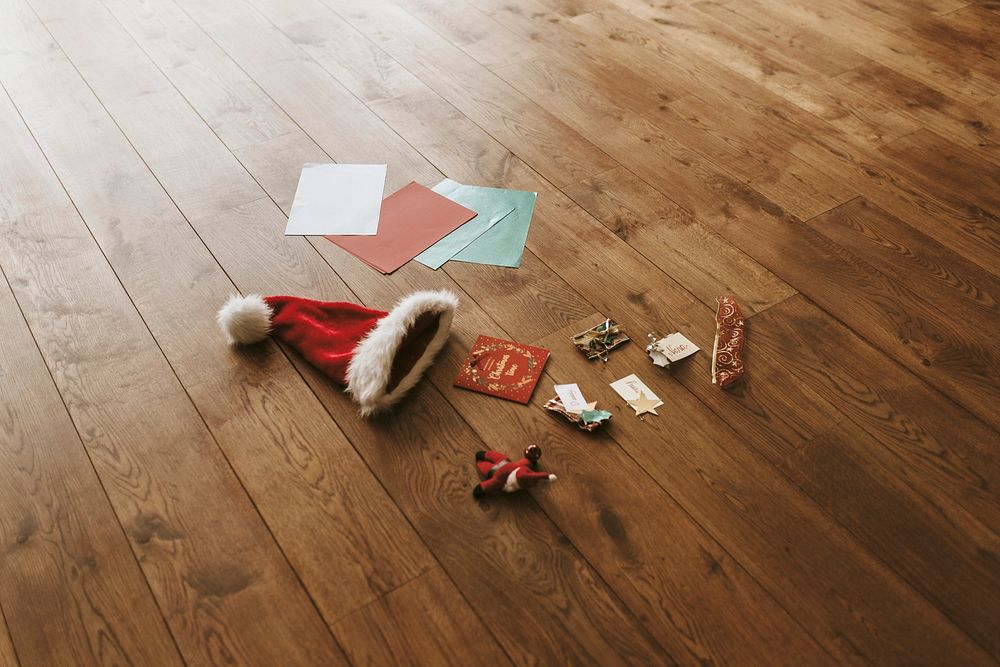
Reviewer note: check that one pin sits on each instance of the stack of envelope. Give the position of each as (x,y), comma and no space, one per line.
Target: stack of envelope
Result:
(495,236)
(451,221)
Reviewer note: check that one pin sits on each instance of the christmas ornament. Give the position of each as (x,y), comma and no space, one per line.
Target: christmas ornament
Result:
(596,342)
(501,475)
(730,337)
(377,355)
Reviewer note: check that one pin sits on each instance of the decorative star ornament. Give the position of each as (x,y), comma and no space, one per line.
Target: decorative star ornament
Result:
(642,405)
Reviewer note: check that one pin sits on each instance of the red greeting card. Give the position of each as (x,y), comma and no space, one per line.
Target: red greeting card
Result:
(502,368)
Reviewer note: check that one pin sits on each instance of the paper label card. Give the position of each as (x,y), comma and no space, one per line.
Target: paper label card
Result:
(342,199)
(571,397)
(676,347)
(630,387)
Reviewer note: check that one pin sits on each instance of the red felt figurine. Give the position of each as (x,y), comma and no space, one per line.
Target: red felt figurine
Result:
(500,474)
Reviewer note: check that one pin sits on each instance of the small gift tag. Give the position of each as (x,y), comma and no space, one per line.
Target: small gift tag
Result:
(669,349)
(571,397)
(635,392)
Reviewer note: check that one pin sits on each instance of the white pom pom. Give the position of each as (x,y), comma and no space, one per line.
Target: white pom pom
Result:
(552,478)
(245,319)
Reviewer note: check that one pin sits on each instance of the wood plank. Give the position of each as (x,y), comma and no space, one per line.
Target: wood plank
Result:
(808,78)
(686,640)
(476,157)
(225,588)
(936,556)
(953,175)
(930,443)
(816,51)
(7,654)
(371,293)
(972,126)
(70,587)
(691,253)
(529,130)
(888,313)
(466,153)
(776,173)
(935,348)
(891,47)
(362,280)
(792,405)
(601,561)
(951,44)
(713,125)
(462,24)
(926,531)
(395,628)
(753,512)
(324,505)
(539,585)
(241,275)
(957,287)
(768,118)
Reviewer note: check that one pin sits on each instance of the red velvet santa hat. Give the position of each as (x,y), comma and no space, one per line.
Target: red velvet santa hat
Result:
(377,355)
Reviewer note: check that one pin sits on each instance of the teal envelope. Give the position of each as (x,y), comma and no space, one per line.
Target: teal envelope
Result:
(489,207)
(503,243)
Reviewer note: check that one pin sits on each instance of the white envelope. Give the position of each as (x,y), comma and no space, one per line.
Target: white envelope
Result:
(337,200)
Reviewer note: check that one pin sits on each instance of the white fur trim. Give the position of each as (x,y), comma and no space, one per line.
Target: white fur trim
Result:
(245,319)
(371,364)
(511,484)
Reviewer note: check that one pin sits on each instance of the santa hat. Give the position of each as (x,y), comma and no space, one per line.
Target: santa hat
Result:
(377,355)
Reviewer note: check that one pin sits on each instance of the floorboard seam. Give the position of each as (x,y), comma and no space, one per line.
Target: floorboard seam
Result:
(149,331)
(79,436)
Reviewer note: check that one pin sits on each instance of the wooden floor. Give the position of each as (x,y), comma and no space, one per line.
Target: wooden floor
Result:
(835,164)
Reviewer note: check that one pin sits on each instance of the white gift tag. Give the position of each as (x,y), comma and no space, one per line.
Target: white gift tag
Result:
(571,397)
(630,387)
(676,347)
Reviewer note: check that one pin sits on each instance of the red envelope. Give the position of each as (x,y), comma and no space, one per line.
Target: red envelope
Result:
(412,219)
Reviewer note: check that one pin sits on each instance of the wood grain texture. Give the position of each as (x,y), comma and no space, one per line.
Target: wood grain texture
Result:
(933,542)
(251,283)
(832,164)
(302,498)
(225,588)
(6,647)
(692,254)
(414,624)
(70,586)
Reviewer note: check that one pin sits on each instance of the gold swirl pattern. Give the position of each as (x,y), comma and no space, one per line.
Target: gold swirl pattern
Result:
(730,337)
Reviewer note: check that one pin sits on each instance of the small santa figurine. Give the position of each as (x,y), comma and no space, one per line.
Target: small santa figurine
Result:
(499,474)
